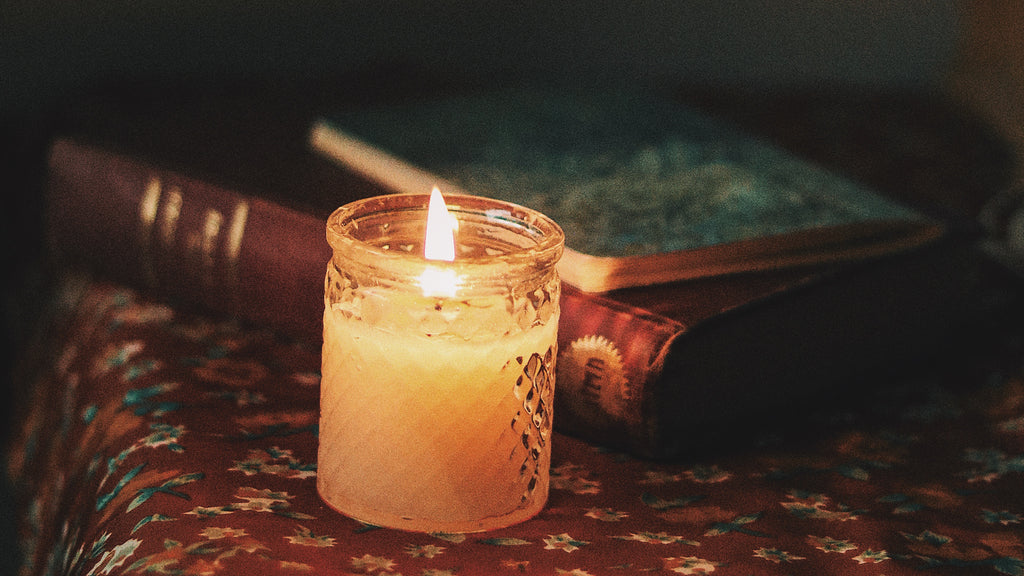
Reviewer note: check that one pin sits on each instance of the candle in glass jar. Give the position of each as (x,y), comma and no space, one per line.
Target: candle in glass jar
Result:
(438,369)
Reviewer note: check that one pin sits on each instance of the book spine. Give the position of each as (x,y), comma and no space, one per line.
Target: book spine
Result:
(610,362)
(201,244)
(186,239)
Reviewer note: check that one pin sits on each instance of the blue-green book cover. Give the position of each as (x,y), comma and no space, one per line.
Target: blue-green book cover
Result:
(646,189)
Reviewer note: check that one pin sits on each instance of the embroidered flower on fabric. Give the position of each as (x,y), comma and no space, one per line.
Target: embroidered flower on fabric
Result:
(657,538)
(574,478)
(1004,517)
(115,356)
(689,565)
(775,555)
(737,524)
(423,551)
(260,504)
(1000,551)
(563,542)
(305,537)
(274,461)
(994,464)
(151,518)
(141,368)
(806,505)
(146,401)
(256,500)
(516,565)
(827,545)
(216,533)
(871,557)
(369,563)
(605,514)
(112,559)
(164,435)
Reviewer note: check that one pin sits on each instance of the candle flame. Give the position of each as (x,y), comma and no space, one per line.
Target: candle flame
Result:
(439,240)
(439,244)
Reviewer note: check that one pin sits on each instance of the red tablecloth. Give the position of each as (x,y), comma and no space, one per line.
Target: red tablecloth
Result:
(168,442)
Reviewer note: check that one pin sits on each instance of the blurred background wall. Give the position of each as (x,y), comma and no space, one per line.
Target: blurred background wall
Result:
(988,70)
(51,50)
(47,46)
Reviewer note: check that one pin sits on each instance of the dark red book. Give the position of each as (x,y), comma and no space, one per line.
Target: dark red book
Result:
(660,371)
(186,238)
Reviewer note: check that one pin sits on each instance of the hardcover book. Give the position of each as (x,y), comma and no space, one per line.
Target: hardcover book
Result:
(648,191)
(179,199)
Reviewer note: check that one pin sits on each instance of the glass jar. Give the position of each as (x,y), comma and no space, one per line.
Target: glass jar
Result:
(436,403)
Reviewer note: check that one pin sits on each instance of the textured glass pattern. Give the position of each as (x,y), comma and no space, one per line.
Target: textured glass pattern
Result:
(536,389)
(436,411)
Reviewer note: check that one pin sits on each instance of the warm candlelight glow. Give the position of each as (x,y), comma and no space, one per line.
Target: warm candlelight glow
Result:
(439,282)
(439,241)
(439,244)
(438,372)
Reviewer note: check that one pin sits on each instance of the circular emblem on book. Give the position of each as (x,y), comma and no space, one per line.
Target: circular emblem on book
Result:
(591,374)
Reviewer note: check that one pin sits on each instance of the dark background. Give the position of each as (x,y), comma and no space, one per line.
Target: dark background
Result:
(55,54)
(49,46)
(943,76)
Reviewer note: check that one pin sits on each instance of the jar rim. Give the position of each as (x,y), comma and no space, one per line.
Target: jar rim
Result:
(547,237)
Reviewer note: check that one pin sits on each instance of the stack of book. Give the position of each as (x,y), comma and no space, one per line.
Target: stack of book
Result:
(713,282)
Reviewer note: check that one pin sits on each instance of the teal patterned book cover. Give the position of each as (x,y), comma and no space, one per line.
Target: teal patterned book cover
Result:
(646,189)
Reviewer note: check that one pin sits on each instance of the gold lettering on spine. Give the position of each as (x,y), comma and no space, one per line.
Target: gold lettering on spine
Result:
(170,214)
(211,229)
(237,231)
(203,243)
(169,219)
(204,251)
(233,247)
(148,207)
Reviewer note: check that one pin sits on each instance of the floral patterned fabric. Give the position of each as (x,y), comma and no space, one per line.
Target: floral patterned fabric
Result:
(167,442)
